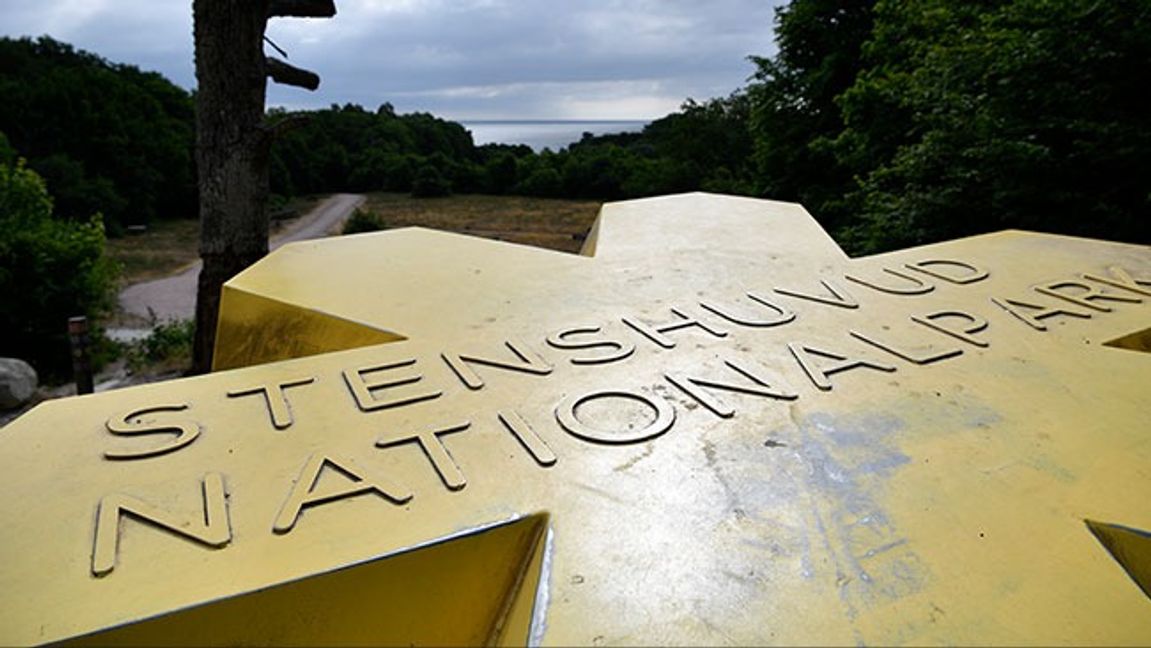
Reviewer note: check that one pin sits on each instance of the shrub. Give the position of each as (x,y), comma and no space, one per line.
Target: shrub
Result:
(168,346)
(363,221)
(50,270)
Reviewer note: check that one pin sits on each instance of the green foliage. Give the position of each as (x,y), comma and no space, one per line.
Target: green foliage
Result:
(50,270)
(168,346)
(107,138)
(1025,114)
(794,114)
(363,221)
(905,122)
(430,183)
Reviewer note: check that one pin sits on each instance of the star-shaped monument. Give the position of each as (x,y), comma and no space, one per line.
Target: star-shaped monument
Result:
(713,427)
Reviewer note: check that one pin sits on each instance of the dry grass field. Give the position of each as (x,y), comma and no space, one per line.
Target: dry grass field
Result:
(168,246)
(554,224)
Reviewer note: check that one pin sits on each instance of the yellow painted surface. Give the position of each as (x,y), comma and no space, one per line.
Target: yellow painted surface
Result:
(938,493)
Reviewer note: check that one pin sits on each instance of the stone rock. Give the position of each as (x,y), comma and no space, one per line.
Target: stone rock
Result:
(18,381)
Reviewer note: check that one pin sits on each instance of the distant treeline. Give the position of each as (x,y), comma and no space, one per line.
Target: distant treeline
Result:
(895,122)
(348,148)
(111,139)
(107,138)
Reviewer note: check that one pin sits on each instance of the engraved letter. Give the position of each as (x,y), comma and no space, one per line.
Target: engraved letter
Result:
(436,452)
(655,332)
(274,397)
(362,391)
(974,324)
(839,296)
(304,493)
(781,314)
(1086,295)
(920,355)
(529,362)
(762,387)
(819,376)
(1020,309)
(1120,278)
(566,415)
(213,530)
(918,287)
(619,350)
(968,273)
(527,437)
(133,423)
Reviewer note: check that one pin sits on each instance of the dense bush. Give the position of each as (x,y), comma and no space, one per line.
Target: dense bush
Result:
(50,269)
(363,221)
(168,346)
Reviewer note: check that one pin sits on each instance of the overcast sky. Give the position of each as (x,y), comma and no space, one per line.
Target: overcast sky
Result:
(459,59)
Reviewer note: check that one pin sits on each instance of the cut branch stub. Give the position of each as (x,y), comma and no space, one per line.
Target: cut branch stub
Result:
(301,8)
(281,72)
(286,124)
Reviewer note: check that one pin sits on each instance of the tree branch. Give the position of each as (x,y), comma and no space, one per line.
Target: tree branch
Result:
(302,8)
(284,125)
(281,72)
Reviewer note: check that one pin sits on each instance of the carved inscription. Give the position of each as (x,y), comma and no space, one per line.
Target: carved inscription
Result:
(588,430)
(814,363)
(210,527)
(586,338)
(528,362)
(392,387)
(776,315)
(761,385)
(611,416)
(138,422)
(957,272)
(655,332)
(279,409)
(435,450)
(908,286)
(838,296)
(528,438)
(1032,314)
(921,355)
(944,322)
(307,493)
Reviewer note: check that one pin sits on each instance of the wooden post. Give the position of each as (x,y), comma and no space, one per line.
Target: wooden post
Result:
(81,362)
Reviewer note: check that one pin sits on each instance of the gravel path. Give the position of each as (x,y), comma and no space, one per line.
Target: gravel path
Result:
(174,297)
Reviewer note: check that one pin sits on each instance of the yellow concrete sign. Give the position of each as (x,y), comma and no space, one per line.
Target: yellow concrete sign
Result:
(711,428)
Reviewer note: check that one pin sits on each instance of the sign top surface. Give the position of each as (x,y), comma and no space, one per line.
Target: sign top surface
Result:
(717,429)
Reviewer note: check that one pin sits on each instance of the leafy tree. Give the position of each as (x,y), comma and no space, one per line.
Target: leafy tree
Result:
(50,269)
(107,137)
(794,115)
(1024,114)
(430,183)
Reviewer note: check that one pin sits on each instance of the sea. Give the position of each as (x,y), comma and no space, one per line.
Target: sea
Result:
(541,134)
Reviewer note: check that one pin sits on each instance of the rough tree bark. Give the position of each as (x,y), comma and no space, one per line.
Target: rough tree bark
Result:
(232,143)
(231,152)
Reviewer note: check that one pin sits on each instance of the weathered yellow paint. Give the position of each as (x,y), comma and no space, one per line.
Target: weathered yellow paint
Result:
(927,479)
(262,330)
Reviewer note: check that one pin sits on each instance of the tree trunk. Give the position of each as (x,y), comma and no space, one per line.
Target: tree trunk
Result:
(232,152)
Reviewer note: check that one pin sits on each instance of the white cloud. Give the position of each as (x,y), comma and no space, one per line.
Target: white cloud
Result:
(459,58)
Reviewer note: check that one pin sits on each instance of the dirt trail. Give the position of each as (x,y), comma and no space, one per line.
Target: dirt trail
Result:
(174,297)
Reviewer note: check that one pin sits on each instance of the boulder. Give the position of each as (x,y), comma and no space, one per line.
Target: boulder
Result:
(18,382)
